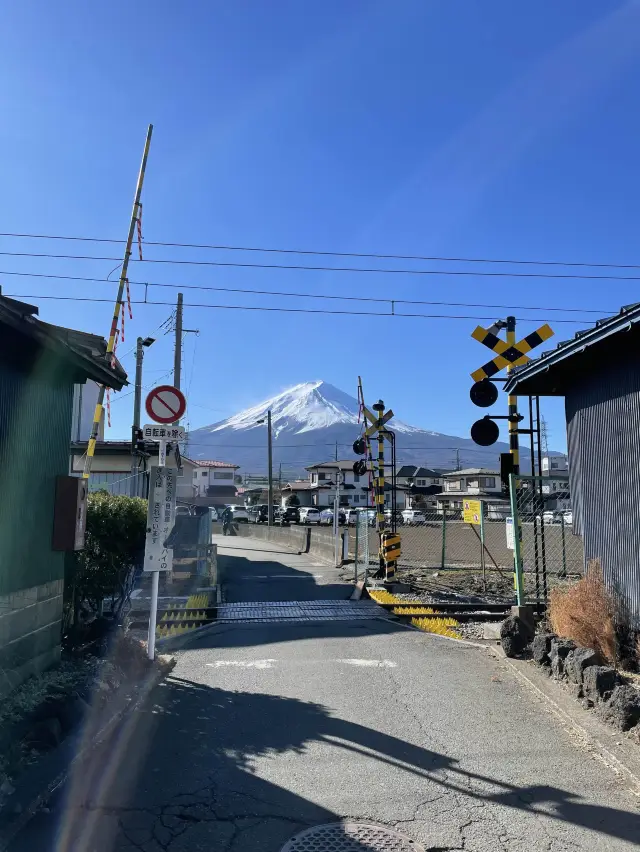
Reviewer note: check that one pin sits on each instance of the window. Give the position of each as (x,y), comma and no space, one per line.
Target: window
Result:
(322,476)
(421,482)
(314,477)
(356,477)
(204,473)
(473,483)
(356,498)
(221,474)
(453,485)
(488,481)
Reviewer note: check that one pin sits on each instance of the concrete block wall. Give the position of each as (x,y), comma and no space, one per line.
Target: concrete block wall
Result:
(30,630)
(317,542)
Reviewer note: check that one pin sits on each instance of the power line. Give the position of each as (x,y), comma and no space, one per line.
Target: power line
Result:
(307,295)
(358,269)
(291,310)
(318,253)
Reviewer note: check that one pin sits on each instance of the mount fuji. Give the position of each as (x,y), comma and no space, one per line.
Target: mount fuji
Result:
(310,423)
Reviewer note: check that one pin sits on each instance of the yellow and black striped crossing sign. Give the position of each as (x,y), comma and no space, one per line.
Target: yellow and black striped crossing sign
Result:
(508,354)
(377,423)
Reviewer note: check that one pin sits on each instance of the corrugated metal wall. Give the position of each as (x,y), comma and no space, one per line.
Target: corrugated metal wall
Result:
(35,425)
(603,427)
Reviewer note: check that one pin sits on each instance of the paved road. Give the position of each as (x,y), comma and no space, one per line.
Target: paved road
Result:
(268,727)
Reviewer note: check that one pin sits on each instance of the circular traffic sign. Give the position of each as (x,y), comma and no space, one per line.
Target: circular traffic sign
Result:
(165,404)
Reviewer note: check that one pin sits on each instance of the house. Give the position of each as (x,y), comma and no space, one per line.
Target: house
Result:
(419,485)
(475,483)
(111,469)
(598,374)
(39,366)
(355,490)
(214,482)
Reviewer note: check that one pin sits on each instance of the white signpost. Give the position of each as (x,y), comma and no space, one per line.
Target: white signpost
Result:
(165,405)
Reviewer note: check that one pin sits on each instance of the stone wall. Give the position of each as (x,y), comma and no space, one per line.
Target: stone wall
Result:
(30,629)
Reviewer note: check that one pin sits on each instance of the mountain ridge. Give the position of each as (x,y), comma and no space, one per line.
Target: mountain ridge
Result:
(315,421)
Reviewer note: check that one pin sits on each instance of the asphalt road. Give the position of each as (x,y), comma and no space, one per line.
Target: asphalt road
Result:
(267,728)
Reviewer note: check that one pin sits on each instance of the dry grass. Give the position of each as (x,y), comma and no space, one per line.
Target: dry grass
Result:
(586,612)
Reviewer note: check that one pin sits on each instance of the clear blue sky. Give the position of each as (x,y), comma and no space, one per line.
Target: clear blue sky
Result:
(479,128)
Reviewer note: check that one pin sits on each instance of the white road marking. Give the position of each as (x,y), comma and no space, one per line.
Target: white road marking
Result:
(243,664)
(269,664)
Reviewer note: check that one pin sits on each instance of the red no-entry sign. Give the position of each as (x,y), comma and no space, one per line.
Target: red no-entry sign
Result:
(165,404)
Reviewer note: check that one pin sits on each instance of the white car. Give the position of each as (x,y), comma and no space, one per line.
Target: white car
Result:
(568,518)
(549,517)
(413,517)
(239,514)
(326,516)
(309,515)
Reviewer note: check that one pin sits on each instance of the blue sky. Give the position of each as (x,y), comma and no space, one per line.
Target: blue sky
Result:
(460,128)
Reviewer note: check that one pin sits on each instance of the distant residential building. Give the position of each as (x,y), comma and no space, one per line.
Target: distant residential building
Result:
(419,485)
(111,469)
(554,464)
(215,481)
(475,483)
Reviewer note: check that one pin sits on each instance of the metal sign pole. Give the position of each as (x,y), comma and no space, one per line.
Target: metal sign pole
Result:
(482,558)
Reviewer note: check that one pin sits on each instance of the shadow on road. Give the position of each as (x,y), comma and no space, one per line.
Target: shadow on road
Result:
(186,774)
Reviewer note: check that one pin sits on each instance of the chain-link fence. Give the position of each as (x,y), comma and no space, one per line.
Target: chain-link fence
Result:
(549,550)
(363,545)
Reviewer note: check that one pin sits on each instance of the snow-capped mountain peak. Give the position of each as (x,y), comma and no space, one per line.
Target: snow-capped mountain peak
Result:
(302,408)
(307,406)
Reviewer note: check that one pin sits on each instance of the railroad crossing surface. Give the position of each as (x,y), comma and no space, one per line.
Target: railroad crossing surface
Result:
(300,708)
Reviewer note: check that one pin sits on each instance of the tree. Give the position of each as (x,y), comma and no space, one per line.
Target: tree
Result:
(293,500)
(114,543)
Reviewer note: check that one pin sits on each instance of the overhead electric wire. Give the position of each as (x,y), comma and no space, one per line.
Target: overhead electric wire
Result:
(291,310)
(308,295)
(301,268)
(319,253)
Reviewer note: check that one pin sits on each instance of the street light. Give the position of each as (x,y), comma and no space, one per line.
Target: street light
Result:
(270,464)
(141,344)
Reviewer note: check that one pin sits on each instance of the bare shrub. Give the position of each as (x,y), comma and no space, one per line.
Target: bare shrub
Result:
(586,612)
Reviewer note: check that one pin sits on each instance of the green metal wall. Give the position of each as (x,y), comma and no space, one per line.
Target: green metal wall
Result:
(35,429)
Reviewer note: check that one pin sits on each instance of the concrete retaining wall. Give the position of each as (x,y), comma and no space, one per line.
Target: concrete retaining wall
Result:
(320,543)
(30,628)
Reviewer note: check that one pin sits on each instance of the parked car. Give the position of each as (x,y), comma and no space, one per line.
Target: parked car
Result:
(350,516)
(550,517)
(309,515)
(326,516)
(568,517)
(289,515)
(240,514)
(413,517)
(389,513)
(259,514)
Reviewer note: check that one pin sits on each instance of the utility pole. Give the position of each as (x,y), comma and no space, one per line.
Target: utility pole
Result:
(270,463)
(457,459)
(177,356)
(141,343)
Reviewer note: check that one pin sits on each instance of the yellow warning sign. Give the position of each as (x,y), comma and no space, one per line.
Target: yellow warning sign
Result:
(471,511)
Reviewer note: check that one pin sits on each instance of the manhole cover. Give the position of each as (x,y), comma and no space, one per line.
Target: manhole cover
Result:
(350,837)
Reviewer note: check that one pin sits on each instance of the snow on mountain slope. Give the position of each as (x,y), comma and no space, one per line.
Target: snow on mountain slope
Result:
(303,408)
(311,423)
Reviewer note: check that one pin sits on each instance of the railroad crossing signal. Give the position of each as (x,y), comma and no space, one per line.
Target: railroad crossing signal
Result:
(377,423)
(513,355)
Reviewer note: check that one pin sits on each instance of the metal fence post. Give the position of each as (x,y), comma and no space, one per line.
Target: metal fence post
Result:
(482,562)
(564,547)
(444,537)
(517,559)
(355,561)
